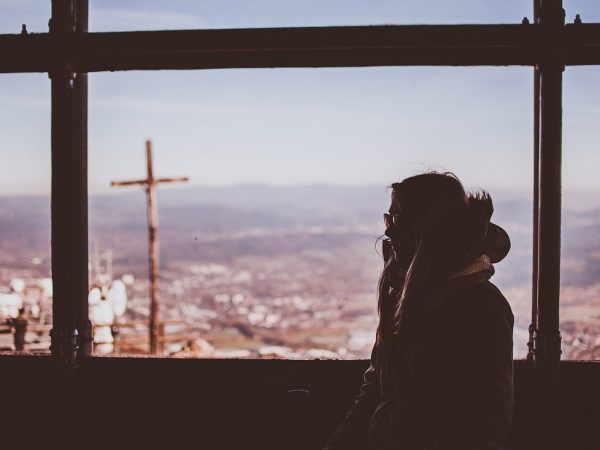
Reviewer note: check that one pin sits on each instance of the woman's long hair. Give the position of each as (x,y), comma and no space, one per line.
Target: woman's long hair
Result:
(447,227)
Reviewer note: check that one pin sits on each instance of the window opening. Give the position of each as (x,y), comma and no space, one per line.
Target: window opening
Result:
(520,46)
(270,252)
(34,15)
(589,12)
(25,266)
(580,262)
(154,15)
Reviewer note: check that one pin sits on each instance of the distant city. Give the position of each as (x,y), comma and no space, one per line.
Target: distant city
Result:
(262,272)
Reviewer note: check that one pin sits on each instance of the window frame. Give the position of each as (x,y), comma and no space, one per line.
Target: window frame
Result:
(68,52)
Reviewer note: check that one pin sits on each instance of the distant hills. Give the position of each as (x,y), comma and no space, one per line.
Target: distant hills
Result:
(216,223)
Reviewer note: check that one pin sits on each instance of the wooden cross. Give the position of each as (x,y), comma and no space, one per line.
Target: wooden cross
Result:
(149,183)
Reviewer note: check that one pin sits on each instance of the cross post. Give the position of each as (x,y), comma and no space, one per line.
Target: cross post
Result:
(149,184)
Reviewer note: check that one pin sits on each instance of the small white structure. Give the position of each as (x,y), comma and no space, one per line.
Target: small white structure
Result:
(117,297)
(128,279)
(10,305)
(17,285)
(94,297)
(104,308)
(274,351)
(46,285)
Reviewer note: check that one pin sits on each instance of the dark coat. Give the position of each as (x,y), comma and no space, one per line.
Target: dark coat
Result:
(456,387)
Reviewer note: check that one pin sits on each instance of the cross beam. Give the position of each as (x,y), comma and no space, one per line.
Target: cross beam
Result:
(390,45)
(149,184)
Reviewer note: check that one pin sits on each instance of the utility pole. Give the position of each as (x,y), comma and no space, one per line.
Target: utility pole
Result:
(149,184)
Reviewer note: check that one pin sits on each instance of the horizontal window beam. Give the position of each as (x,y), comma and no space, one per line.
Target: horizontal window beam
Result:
(410,45)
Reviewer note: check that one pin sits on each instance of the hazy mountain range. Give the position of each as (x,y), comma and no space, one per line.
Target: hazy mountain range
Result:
(216,224)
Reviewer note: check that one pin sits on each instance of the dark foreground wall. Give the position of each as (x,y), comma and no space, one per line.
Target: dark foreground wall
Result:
(127,403)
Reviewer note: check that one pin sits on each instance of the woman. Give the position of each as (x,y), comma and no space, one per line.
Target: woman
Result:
(441,374)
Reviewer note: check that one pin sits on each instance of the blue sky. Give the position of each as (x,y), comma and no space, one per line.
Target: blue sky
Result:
(296,126)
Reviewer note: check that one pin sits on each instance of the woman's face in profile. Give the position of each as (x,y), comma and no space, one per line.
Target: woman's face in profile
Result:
(397,228)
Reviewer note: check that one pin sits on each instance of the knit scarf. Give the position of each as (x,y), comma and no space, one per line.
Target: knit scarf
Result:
(473,273)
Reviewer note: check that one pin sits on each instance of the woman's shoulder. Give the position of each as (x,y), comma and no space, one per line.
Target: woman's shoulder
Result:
(482,302)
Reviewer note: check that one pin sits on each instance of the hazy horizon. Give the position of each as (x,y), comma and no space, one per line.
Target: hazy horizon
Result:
(573,199)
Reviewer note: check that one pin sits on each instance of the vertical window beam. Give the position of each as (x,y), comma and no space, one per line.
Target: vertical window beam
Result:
(71,332)
(546,351)
(536,185)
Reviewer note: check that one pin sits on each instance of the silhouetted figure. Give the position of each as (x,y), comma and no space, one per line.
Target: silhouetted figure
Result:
(19,325)
(441,373)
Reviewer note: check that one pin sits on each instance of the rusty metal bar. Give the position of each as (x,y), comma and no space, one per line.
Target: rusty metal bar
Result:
(392,45)
(69,196)
(547,338)
(172,180)
(129,183)
(154,325)
(84,325)
(536,185)
(149,184)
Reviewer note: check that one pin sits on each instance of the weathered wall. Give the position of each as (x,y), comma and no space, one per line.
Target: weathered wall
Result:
(231,404)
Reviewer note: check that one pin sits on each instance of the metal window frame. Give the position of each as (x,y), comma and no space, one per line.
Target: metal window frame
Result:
(68,52)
